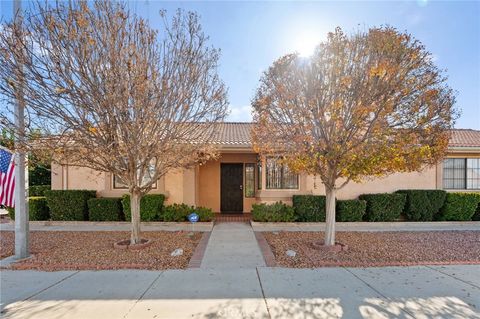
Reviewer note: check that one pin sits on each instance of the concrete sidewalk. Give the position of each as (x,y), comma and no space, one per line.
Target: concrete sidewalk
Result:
(390,292)
(369,226)
(232,245)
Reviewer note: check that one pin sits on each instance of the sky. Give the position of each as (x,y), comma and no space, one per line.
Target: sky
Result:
(252,35)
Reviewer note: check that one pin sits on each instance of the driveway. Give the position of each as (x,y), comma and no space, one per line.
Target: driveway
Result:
(389,292)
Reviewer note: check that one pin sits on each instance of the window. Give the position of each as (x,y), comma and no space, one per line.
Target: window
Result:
(279,176)
(259,174)
(473,173)
(118,183)
(461,173)
(249,180)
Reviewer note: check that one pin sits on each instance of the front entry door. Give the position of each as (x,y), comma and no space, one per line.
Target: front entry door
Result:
(231,185)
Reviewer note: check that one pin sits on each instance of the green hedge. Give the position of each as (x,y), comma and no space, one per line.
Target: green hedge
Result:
(351,210)
(277,212)
(205,214)
(177,212)
(105,209)
(423,204)
(38,190)
(476,216)
(151,207)
(309,208)
(459,206)
(180,212)
(37,209)
(383,207)
(69,204)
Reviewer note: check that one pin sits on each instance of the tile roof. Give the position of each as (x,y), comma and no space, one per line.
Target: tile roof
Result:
(465,138)
(234,134)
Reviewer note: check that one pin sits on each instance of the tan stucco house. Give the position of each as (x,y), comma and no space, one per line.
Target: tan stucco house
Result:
(240,178)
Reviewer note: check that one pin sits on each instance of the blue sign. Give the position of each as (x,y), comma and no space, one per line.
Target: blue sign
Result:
(193,217)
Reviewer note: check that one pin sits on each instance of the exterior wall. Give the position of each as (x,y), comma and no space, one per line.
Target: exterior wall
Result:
(201,185)
(427,179)
(72,177)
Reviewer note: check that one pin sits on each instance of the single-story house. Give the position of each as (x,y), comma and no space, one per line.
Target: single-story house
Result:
(240,178)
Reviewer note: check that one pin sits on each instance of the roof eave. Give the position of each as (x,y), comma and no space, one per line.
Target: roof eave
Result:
(464,149)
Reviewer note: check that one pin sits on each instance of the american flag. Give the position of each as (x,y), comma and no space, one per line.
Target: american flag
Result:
(7,178)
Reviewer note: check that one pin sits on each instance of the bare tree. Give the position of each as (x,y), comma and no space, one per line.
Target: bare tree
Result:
(368,104)
(113,94)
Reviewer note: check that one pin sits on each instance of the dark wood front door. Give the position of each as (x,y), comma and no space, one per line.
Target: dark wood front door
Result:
(231,185)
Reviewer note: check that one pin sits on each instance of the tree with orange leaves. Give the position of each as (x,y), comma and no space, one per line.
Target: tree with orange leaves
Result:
(367,104)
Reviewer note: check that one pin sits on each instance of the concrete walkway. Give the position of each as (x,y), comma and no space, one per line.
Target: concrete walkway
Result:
(369,226)
(232,245)
(390,292)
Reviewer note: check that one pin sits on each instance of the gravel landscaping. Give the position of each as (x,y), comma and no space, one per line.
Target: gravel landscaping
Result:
(81,250)
(369,249)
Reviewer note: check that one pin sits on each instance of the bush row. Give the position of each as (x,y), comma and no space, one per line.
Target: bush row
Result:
(79,205)
(414,205)
(308,208)
(37,209)
(277,212)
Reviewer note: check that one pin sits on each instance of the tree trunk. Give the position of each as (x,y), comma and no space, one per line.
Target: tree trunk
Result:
(330,220)
(135,212)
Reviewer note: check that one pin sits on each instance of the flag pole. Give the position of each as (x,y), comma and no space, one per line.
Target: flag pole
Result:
(21,179)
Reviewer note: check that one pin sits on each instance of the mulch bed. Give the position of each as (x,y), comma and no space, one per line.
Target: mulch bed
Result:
(81,250)
(370,249)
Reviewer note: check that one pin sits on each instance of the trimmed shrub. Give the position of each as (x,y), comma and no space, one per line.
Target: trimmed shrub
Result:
(423,204)
(277,212)
(151,207)
(177,212)
(205,214)
(180,212)
(459,206)
(383,207)
(309,208)
(105,209)
(37,209)
(476,216)
(351,210)
(38,190)
(69,204)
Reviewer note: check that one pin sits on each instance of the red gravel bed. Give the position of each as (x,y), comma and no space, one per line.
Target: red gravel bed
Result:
(81,250)
(375,249)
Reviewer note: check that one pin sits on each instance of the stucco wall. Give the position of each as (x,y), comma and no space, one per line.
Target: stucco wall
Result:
(72,177)
(426,179)
(201,185)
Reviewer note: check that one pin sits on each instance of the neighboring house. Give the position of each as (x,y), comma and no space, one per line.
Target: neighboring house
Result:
(240,178)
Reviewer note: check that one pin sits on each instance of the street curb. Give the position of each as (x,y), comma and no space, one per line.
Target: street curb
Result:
(369,226)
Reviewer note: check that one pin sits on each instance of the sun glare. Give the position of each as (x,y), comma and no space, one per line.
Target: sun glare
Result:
(305,44)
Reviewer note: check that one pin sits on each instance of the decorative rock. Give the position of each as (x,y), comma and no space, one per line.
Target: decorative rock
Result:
(177,252)
(275,233)
(291,253)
